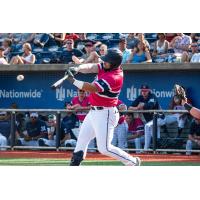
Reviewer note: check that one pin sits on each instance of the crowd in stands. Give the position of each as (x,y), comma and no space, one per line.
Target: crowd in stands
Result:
(134,130)
(45,48)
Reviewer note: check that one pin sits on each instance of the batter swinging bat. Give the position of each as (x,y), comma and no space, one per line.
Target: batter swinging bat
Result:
(58,83)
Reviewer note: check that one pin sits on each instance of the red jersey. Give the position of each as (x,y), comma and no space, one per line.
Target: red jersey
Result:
(81,115)
(109,84)
(136,126)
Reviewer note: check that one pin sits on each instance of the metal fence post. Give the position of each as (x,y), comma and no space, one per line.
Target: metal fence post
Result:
(58,117)
(155,129)
(12,130)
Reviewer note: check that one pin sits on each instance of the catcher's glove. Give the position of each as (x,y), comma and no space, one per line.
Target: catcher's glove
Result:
(179,92)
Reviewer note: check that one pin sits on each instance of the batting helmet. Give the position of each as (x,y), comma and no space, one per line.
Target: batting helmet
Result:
(114,57)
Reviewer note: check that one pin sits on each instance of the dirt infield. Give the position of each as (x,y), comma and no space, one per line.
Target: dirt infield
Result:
(97,156)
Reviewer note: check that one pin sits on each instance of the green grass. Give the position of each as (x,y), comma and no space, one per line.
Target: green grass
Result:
(62,162)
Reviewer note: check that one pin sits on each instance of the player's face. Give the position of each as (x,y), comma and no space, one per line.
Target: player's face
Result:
(33,119)
(106,65)
(129,119)
(145,92)
(81,93)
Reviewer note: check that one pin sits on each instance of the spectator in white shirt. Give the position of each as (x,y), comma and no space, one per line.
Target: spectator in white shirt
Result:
(3,61)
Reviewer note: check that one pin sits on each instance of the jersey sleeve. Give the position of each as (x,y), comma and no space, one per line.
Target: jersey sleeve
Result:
(102,85)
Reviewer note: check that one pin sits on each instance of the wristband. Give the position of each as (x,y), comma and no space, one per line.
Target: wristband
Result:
(187,106)
(78,84)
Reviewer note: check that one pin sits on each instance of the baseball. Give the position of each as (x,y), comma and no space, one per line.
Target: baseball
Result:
(20,77)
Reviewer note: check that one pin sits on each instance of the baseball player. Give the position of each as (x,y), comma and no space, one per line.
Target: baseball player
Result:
(103,116)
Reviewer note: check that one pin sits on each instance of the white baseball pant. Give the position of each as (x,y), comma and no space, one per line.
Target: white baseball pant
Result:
(3,142)
(169,119)
(149,131)
(189,145)
(28,143)
(120,136)
(138,143)
(101,124)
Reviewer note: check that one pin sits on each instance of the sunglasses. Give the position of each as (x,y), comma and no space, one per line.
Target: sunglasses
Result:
(33,117)
(69,43)
(101,49)
(81,91)
(194,45)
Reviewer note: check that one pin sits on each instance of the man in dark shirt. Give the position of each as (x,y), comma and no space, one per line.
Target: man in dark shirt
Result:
(35,129)
(5,126)
(69,122)
(193,137)
(148,101)
(145,101)
(66,56)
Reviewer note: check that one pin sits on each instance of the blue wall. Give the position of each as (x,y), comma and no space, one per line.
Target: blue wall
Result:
(35,91)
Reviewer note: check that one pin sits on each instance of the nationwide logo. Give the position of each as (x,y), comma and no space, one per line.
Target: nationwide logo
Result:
(62,93)
(11,94)
(132,93)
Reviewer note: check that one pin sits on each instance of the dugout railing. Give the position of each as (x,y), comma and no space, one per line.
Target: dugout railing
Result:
(58,113)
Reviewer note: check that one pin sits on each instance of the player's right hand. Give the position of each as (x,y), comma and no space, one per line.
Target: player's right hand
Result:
(73,70)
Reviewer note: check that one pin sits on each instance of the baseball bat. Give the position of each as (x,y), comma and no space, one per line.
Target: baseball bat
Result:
(58,83)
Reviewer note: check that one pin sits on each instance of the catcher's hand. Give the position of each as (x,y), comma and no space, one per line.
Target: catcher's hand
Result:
(179,92)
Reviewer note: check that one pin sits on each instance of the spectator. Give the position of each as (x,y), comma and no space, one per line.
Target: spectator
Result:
(148,101)
(194,56)
(66,56)
(170,36)
(161,46)
(40,39)
(141,38)
(80,42)
(193,137)
(51,129)
(5,126)
(140,54)
(27,58)
(135,131)
(132,41)
(59,38)
(80,104)
(176,117)
(21,39)
(103,49)
(195,37)
(122,47)
(71,36)
(7,43)
(35,129)
(121,130)
(181,44)
(3,61)
(91,55)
